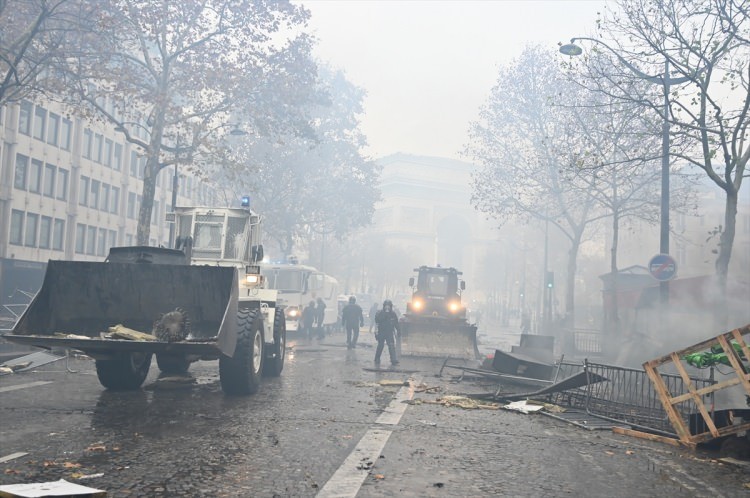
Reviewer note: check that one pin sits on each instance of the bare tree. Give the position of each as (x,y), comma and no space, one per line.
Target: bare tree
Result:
(706,43)
(317,186)
(526,141)
(620,169)
(172,77)
(33,39)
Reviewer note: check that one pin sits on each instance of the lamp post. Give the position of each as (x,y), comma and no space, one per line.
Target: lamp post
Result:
(665,81)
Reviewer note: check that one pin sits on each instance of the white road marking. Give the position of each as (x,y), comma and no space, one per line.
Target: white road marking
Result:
(396,408)
(348,478)
(24,386)
(12,456)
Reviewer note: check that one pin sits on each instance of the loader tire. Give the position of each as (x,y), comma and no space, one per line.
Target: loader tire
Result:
(172,364)
(274,362)
(125,372)
(240,374)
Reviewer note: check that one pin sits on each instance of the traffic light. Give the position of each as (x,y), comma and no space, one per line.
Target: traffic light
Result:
(549,279)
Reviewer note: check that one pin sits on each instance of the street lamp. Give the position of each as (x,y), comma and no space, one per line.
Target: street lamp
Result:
(665,81)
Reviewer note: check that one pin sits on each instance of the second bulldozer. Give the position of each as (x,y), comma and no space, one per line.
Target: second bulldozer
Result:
(435,320)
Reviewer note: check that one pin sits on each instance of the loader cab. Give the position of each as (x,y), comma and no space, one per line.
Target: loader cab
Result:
(222,236)
(437,292)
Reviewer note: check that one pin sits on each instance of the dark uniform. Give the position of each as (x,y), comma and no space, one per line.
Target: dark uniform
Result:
(307,320)
(320,315)
(387,323)
(352,319)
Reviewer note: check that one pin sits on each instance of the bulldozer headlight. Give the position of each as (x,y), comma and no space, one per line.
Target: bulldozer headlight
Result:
(252,279)
(453,306)
(417,305)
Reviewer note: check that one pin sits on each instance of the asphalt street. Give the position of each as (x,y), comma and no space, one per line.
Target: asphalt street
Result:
(329,426)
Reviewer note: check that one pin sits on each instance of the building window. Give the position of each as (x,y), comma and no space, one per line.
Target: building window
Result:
(107,153)
(83,191)
(101,245)
(66,132)
(45,231)
(22,172)
(155,213)
(80,238)
(114,202)
(32,223)
(117,163)
(131,205)
(53,128)
(58,235)
(94,200)
(133,164)
(35,176)
(112,239)
(16,227)
(24,118)
(91,240)
(141,167)
(88,138)
(62,184)
(98,139)
(129,240)
(40,122)
(104,204)
(49,180)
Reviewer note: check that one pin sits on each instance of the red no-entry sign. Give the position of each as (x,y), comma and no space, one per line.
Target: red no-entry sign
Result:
(662,267)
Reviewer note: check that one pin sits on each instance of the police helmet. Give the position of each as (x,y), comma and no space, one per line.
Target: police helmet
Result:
(352,299)
(387,302)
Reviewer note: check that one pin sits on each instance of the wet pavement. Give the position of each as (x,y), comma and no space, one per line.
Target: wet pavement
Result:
(303,430)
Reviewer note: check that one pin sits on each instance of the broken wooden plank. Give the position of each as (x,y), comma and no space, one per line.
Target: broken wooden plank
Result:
(650,437)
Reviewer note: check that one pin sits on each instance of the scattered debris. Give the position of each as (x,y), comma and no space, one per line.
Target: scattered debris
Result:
(462,402)
(379,477)
(388,382)
(523,406)
(119,331)
(13,456)
(647,436)
(30,361)
(438,485)
(427,422)
(71,336)
(365,464)
(55,488)
(15,367)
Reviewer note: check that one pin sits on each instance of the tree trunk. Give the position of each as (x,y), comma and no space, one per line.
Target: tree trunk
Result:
(726,241)
(614,317)
(147,201)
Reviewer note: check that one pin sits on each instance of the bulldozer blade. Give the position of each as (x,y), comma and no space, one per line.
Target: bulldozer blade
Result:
(86,298)
(438,338)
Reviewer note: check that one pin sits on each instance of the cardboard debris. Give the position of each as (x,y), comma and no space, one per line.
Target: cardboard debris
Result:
(388,382)
(523,407)
(121,332)
(55,488)
(71,336)
(462,402)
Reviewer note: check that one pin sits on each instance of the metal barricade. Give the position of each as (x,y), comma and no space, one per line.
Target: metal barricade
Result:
(627,396)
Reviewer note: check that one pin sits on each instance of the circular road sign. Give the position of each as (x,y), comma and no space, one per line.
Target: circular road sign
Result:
(662,267)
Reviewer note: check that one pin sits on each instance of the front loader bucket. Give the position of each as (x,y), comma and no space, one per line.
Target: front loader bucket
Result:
(86,298)
(438,337)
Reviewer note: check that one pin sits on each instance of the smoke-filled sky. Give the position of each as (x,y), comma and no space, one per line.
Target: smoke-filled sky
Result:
(428,66)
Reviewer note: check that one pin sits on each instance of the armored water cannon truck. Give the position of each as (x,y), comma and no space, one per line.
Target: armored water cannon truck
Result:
(203,300)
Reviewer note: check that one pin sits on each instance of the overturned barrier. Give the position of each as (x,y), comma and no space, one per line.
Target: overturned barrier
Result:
(627,396)
(692,393)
